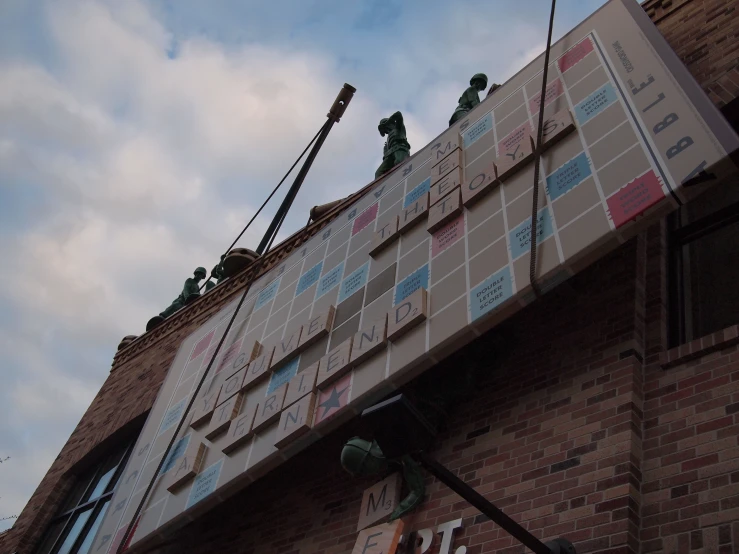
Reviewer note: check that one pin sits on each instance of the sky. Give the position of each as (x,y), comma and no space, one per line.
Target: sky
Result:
(138,137)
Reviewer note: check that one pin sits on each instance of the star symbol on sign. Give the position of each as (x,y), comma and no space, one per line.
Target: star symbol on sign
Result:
(332,401)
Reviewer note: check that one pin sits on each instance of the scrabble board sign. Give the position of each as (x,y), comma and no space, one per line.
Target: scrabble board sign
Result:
(430,257)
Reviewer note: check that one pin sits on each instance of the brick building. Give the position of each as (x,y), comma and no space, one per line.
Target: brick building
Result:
(609,414)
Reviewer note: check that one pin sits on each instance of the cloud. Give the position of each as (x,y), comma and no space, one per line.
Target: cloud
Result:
(136,138)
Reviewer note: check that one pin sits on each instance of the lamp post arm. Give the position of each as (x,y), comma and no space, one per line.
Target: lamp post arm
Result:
(494,513)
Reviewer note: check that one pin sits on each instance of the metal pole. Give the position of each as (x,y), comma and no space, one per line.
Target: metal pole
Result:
(484,505)
(334,115)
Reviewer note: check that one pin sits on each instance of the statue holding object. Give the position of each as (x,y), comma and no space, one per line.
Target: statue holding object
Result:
(493,88)
(216,275)
(190,291)
(469,98)
(396,147)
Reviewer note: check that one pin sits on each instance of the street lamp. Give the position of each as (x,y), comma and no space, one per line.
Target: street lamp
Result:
(400,429)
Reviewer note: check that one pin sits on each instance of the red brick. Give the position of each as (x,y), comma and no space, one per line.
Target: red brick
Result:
(713,425)
(700,462)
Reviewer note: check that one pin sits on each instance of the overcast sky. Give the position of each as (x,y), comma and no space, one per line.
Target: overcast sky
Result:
(137,138)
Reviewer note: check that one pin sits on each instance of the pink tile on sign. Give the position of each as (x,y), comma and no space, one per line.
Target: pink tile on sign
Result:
(202,345)
(575,54)
(332,399)
(633,199)
(554,90)
(447,235)
(513,139)
(365,218)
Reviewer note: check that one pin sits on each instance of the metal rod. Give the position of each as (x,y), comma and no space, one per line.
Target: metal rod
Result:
(537,157)
(293,192)
(334,115)
(482,504)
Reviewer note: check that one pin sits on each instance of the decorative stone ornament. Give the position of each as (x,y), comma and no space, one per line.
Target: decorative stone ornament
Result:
(125,341)
(236,261)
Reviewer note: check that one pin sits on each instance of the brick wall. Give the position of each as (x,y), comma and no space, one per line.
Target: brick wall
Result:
(690,487)
(574,435)
(705,34)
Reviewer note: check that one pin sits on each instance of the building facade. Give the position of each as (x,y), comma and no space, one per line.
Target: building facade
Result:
(608,411)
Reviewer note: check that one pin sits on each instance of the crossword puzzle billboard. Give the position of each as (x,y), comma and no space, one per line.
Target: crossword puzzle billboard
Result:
(433,255)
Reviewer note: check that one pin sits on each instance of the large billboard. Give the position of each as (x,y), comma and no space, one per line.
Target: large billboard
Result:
(432,256)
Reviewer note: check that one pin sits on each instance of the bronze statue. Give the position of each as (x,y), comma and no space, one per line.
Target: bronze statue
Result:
(469,98)
(190,291)
(396,147)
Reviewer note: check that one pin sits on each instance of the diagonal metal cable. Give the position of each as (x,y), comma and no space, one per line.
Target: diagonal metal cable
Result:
(274,191)
(537,157)
(258,266)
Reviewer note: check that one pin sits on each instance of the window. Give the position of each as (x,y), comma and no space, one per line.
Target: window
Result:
(704,264)
(73,530)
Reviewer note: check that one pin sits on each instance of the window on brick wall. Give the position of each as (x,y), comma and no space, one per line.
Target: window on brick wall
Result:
(82,512)
(704,264)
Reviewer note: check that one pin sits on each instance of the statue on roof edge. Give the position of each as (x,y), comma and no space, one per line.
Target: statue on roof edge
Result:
(190,291)
(396,147)
(469,98)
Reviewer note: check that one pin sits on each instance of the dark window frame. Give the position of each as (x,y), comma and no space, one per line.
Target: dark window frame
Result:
(84,504)
(679,236)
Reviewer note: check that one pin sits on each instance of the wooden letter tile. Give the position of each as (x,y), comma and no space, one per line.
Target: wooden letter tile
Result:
(295,420)
(245,355)
(368,341)
(286,349)
(223,416)
(445,185)
(556,127)
(334,364)
(406,315)
(269,409)
(509,143)
(231,386)
(413,214)
(384,236)
(302,384)
(379,501)
(477,186)
(443,148)
(318,327)
(258,370)
(380,539)
(187,466)
(204,407)
(450,161)
(514,159)
(239,431)
(445,210)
